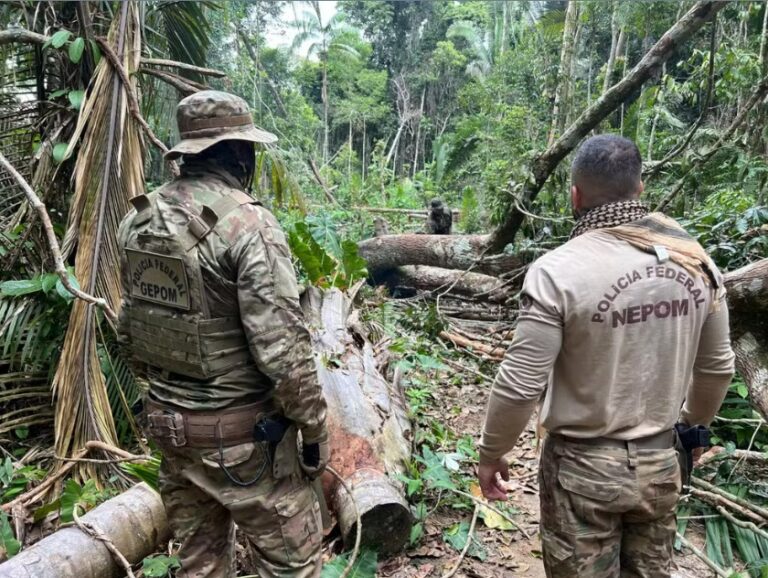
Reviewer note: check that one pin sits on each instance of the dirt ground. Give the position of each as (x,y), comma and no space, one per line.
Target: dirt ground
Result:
(509,554)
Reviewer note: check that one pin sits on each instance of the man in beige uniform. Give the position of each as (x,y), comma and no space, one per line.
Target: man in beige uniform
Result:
(619,329)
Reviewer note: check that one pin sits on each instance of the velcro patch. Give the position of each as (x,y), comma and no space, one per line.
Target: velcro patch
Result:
(158,278)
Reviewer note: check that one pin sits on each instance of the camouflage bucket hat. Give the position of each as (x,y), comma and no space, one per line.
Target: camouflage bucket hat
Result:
(211,116)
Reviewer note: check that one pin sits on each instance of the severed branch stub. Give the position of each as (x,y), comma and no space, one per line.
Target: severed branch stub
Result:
(184,66)
(53,242)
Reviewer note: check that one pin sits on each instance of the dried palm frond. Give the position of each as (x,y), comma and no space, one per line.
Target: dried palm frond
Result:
(108,171)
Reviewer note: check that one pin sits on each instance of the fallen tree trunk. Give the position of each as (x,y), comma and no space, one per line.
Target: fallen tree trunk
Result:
(368,427)
(463,252)
(451,282)
(134,521)
(748,303)
(411,213)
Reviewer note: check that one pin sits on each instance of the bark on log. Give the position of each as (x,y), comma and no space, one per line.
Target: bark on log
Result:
(369,431)
(545,164)
(748,303)
(451,282)
(463,252)
(135,522)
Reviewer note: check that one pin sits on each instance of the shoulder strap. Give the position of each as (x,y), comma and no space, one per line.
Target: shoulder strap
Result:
(143,207)
(200,225)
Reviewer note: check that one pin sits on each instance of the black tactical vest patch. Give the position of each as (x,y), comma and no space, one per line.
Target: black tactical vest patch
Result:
(158,278)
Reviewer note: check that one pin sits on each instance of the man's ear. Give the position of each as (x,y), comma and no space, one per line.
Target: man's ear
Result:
(576,199)
(641,188)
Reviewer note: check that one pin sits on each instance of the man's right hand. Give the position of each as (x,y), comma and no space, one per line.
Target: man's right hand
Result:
(489,483)
(314,458)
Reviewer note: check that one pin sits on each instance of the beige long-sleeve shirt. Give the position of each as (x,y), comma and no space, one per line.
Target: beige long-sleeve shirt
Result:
(615,340)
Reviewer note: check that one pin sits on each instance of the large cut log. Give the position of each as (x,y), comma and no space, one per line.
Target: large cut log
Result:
(369,431)
(463,252)
(748,303)
(134,521)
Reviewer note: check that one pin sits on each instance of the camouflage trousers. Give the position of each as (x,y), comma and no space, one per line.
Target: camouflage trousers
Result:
(607,512)
(281,518)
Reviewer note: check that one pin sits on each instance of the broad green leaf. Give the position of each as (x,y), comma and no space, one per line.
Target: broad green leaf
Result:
(43,511)
(76,50)
(8,541)
(417,531)
(458,534)
(324,231)
(352,264)
(159,566)
(63,291)
(74,494)
(364,567)
(76,98)
(60,38)
(14,288)
(49,282)
(96,52)
(6,472)
(60,151)
(320,267)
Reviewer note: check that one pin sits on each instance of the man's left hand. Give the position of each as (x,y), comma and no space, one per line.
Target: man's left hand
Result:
(489,483)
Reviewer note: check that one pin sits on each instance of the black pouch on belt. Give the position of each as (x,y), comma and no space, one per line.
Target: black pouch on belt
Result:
(689,438)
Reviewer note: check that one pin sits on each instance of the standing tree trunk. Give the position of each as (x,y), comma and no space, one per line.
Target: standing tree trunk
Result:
(324,96)
(564,75)
(616,33)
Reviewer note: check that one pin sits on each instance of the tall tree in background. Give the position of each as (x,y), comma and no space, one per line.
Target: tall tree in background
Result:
(322,40)
(562,94)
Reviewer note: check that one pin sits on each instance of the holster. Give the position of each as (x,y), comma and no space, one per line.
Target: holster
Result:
(282,436)
(687,439)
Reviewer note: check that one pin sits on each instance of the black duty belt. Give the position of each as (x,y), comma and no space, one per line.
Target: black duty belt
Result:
(660,441)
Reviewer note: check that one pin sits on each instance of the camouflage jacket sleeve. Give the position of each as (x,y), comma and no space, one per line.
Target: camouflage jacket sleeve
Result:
(272,318)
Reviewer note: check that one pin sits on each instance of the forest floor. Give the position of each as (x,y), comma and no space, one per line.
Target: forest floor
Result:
(508,553)
(457,400)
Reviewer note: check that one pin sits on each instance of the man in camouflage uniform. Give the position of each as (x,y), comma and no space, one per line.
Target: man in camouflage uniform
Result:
(619,328)
(211,319)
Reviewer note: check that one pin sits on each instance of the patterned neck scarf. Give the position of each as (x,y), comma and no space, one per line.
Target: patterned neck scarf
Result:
(609,215)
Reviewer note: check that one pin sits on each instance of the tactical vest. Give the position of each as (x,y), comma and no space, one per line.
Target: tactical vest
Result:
(167,316)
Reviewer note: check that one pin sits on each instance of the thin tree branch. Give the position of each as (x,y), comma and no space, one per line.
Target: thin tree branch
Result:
(707,101)
(260,69)
(328,195)
(176,82)
(468,543)
(183,66)
(546,163)
(53,243)
(701,556)
(133,103)
(758,95)
(22,36)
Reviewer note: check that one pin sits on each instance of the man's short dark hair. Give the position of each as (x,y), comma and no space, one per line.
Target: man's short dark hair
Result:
(607,168)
